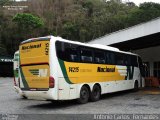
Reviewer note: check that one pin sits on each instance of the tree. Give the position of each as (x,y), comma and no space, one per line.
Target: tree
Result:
(145,12)
(150,10)
(78,20)
(27,25)
(3,50)
(27,21)
(4,2)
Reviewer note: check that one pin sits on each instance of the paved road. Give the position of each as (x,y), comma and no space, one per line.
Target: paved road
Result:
(121,102)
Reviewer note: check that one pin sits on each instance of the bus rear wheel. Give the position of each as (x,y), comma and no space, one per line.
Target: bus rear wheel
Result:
(96,93)
(84,95)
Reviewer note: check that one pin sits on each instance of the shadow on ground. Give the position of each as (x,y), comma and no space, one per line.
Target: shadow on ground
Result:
(73,103)
(55,104)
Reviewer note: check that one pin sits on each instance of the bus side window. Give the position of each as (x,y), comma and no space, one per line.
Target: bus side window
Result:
(74,53)
(134,61)
(110,58)
(99,57)
(67,52)
(60,50)
(120,59)
(127,60)
(86,55)
(64,51)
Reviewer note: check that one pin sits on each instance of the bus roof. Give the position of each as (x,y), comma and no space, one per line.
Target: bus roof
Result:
(99,46)
(34,39)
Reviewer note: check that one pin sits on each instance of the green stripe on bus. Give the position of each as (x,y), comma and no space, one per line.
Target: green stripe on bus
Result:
(63,68)
(23,79)
(16,59)
(25,84)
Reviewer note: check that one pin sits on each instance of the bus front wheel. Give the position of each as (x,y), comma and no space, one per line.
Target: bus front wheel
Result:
(96,93)
(84,95)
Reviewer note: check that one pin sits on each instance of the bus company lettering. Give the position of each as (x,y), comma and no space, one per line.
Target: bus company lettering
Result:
(105,69)
(31,47)
(73,69)
(46,48)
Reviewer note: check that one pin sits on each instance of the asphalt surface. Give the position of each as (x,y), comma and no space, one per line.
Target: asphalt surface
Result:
(126,102)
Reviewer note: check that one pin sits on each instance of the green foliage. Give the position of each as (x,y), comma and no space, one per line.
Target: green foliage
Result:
(144,13)
(4,2)
(150,10)
(27,21)
(88,5)
(77,20)
(3,50)
(149,6)
(70,30)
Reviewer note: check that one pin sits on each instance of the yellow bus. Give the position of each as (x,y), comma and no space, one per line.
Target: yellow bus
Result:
(52,68)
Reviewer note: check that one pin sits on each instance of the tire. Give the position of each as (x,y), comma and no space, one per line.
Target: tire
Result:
(84,95)
(136,87)
(96,93)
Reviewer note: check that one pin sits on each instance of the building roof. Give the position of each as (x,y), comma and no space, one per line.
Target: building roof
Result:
(137,31)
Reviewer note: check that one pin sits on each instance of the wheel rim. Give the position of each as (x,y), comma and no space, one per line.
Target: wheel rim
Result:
(96,92)
(84,94)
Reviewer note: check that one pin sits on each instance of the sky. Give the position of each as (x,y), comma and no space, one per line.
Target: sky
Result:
(137,2)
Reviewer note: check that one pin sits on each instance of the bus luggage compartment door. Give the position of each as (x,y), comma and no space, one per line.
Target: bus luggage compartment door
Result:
(35,77)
